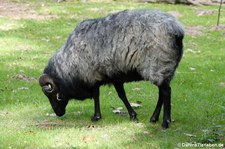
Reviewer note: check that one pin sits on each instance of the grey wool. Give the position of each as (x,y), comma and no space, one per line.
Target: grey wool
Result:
(141,40)
(131,45)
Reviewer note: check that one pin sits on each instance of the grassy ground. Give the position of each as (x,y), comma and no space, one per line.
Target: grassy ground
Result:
(31,31)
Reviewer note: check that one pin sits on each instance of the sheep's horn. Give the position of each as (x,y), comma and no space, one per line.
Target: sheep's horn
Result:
(47,83)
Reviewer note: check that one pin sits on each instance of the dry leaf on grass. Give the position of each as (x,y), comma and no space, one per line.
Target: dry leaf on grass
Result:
(23,77)
(222,84)
(190,135)
(192,68)
(119,111)
(135,105)
(86,139)
(51,114)
(137,89)
(3,113)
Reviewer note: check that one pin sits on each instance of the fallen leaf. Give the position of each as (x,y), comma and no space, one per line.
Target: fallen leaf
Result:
(135,105)
(109,93)
(105,136)
(189,135)
(192,68)
(136,89)
(51,114)
(23,77)
(23,88)
(119,108)
(88,139)
(3,113)
(119,111)
(193,51)
(77,113)
(222,84)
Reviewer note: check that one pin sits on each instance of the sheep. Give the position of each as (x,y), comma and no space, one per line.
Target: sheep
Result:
(132,45)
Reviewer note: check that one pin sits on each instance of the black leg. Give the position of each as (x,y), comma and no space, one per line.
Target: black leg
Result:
(164,99)
(97,114)
(121,93)
(166,93)
(155,115)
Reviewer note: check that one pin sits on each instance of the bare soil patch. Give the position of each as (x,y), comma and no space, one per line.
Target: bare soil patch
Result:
(219,27)
(188,2)
(176,14)
(194,30)
(204,12)
(21,11)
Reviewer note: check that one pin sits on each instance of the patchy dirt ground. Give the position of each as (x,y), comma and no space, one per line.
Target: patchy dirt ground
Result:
(194,30)
(176,14)
(198,30)
(188,2)
(21,11)
(26,11)
(204,12)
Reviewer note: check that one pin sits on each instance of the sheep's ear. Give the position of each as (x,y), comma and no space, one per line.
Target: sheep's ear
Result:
(47,84)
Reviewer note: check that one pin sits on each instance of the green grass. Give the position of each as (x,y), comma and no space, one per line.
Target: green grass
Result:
(198,100)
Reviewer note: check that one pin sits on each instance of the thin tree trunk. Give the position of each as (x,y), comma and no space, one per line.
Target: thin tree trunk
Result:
(218,19)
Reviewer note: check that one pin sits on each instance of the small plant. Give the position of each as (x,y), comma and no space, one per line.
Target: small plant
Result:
(212,135)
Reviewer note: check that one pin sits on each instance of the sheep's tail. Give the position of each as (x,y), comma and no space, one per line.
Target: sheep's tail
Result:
(178,35)
(172,32)
(179,46)
(176,31)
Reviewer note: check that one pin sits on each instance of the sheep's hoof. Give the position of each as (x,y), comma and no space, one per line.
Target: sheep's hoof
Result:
(153,120)
(166,123)
(133,117)
(95,118)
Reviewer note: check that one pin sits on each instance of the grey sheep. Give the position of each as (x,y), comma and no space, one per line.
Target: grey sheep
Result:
(131,45)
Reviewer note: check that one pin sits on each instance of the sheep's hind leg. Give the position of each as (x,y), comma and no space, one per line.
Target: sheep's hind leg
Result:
(164,99)
(121,93)
(166,94)
(97,114)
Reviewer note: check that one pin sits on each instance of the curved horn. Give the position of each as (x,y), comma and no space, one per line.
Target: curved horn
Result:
(47,83)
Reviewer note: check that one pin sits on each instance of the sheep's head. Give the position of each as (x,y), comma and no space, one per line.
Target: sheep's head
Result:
(52,91)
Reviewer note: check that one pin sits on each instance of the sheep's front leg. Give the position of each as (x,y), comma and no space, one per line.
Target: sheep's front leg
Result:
(121,93)
(97,114)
